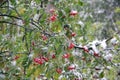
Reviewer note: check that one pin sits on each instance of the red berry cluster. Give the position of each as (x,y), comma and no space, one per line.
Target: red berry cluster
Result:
(41,60)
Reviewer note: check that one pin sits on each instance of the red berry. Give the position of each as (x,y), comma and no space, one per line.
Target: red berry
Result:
(44,37)
(45,59)
(71,46)
(96,54)
(59,71)
(71,67)
(85,48)
(33,43)
(53,18)
(36,59)
(52,10)
(53,56)
(73,34)
(73,13)
(39,60)
(67,55)
(16,57)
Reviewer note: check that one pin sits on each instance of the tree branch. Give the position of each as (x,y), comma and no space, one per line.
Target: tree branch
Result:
(11,16)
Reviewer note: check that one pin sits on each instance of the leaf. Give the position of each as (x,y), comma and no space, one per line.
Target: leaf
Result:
(80,3)
(101,74)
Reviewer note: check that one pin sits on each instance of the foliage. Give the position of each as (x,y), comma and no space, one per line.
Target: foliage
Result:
(57,40)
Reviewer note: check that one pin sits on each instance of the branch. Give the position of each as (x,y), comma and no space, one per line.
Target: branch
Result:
(3,52)
(15,24)
(10,23)
(35,25)
(11,16)
(2,2)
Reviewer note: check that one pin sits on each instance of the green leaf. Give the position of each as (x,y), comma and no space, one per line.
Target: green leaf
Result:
(101,74)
